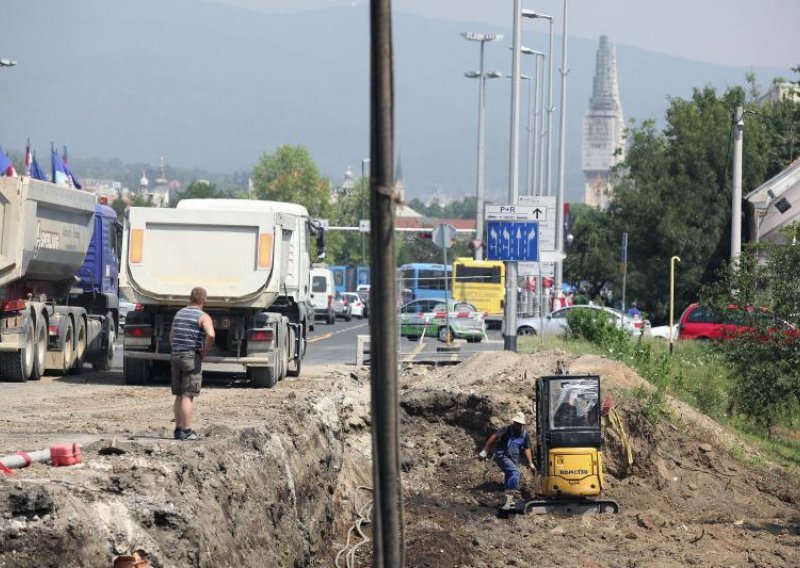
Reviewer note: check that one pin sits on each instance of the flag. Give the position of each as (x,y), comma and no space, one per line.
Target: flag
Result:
(73,180)
(36,171)
(60,176)
(5,164)
(28,158)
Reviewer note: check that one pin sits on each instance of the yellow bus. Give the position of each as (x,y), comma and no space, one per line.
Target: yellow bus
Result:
(482,284)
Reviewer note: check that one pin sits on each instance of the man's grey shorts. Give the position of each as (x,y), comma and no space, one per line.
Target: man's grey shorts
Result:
(187,377)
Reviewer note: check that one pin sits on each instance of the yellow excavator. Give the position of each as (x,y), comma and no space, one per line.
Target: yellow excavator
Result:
(568,439)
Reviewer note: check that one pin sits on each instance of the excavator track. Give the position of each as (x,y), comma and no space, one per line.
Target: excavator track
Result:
(568,506)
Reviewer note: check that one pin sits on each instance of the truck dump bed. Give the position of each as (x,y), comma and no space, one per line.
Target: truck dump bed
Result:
(44,230)
(230,251)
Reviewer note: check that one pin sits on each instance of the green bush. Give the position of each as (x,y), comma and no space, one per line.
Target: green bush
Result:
(598,327)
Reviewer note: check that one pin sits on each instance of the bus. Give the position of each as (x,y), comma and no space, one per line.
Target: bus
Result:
(424,280)
(348,278)
(482,284)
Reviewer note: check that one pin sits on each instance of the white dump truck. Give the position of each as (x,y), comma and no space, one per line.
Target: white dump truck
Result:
(253,259)
(58,279)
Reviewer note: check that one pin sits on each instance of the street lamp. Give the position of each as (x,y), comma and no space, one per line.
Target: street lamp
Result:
(482,76)
(364,162)
(559,276)
(530,188)
(550,108)
(7,63)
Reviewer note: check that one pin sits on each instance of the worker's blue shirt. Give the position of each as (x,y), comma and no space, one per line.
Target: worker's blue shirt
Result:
(510,444)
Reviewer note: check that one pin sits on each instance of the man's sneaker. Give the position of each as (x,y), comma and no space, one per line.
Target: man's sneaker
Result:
(509,504)
(188,435)
(177,434)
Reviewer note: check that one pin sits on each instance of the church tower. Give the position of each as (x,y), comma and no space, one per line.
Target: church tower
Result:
(603,128)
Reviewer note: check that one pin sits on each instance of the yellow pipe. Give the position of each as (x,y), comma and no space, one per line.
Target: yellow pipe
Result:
(672,297)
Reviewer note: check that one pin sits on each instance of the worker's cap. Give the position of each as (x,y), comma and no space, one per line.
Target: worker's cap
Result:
(519,418)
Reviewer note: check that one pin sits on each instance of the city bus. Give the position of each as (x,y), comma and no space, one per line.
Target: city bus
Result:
(424,280)
(482,284)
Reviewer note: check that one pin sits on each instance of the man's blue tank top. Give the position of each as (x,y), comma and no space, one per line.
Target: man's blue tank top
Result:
(187,335)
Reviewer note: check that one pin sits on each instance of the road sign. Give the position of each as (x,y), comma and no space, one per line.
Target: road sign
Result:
(443,235)
(363,225)
(512,240)
(547,218)
(532,269)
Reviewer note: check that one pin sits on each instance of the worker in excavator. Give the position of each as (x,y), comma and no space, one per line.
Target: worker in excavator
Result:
(511,440)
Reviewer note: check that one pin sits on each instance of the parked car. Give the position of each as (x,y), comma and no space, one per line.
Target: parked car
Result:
(662,332)
(428,317)
(356,304)
(342,307)
(364,296)
(704,323)
(555,324)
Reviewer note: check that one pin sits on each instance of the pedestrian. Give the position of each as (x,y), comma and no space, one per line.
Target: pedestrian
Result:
(634,312)
(191,338)
(511,440)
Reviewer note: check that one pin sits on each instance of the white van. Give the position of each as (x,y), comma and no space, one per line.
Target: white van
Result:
(322,292)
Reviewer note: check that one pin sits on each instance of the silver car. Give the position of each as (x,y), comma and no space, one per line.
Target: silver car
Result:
(555,324)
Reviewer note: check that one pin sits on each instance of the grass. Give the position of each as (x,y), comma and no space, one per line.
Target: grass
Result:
(696,375)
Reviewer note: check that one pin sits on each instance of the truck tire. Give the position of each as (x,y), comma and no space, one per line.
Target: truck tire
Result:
(295,362)
(262,377)
(17,366)
(39,349)
(104,364)
(80,348)
(69,348)
(136,371)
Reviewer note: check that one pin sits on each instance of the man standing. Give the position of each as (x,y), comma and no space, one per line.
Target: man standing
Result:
(191,338)
(511,441)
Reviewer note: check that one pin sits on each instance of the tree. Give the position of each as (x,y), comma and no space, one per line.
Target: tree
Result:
(290,174)
(200,189)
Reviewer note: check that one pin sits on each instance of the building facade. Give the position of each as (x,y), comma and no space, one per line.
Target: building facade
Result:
(603,129)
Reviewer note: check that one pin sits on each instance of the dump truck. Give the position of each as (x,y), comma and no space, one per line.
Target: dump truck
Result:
(253,259)
(58,279)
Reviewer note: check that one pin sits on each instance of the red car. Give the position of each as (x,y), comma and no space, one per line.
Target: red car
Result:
(703,323)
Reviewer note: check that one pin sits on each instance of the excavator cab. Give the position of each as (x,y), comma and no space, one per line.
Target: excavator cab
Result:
(568,440)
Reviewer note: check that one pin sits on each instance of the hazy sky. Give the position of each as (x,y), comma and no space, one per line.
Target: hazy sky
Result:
(740,33)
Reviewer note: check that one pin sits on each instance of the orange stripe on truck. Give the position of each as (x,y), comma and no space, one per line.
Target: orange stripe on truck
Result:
(136,245)
(264,250)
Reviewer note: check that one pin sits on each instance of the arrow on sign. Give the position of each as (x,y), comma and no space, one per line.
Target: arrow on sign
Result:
(537,212)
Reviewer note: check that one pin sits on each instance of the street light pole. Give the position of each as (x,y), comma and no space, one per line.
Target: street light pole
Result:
(510,309)
(736,204)
(364,162)
(546,170)
(479,189)
(559,268)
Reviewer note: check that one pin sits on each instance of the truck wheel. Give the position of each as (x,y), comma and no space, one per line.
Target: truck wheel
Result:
(293,369)
(40,349)
(136,371)
(262,377)
(104,364)
(17,366)
(80,348)
(69,348)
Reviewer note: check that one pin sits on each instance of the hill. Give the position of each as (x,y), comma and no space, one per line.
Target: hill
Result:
(211,86)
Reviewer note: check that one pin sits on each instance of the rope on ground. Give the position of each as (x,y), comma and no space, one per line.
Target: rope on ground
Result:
(616,425)
(363,516)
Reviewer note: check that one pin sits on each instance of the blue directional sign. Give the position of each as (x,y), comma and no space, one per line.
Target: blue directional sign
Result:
(512,240)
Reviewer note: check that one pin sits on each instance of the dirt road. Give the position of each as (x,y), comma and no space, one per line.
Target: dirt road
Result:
(278,474)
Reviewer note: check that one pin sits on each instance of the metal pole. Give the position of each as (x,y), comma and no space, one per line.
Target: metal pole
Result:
(548,176)
(388,498)
(510,315)
(479,190)
(672,262)
(361,207)
(446,284)
(531,144)
(736,201)
(538,144)
(559,275)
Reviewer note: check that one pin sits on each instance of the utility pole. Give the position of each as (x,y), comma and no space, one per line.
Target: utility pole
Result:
(388,550)
(559,267)
(736,201)
(510,309)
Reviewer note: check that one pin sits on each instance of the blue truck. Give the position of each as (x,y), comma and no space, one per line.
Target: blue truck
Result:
(349,277)
(59,276)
